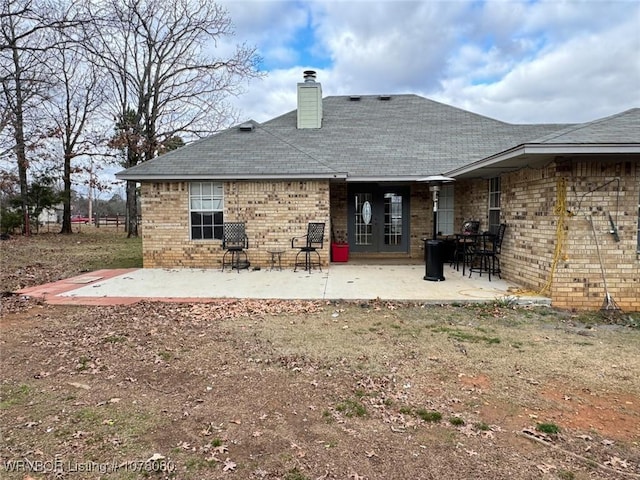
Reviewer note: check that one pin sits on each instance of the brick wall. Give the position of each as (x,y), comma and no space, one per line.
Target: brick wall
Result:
(421,213)
(471,202)
(339,210)
(592,194)
(276,211)
(527,207)
(273,211)
(529,201)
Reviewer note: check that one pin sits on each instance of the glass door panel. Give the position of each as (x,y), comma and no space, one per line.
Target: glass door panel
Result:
(393,219)
(362,221)
(378,218)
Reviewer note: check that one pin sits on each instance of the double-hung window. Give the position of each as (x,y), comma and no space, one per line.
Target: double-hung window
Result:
(494,204)
(206,205)
(445,210)
(638,248)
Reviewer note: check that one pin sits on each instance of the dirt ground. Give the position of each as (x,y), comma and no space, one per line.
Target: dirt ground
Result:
(311,390)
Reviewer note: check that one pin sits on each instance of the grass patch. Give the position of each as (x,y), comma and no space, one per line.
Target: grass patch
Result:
(360,393)
(463,336)
(456,421)
(129,427)
(87,415)
(505,302)
(351,408)
(165,355)
(326,415)
(13,396)
(216,442)
(602,317)
(566,475)
(197,463)
(431,416)
(115,339)
(83,364)
(482,426)
(548,428)
(125,253)
(295,474)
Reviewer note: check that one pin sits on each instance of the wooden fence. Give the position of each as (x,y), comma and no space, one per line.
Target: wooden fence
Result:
(116,221)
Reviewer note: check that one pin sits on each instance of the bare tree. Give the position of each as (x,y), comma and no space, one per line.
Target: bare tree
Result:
(25,42)
(35,19)
(165,80)
(78,95)
(22,80)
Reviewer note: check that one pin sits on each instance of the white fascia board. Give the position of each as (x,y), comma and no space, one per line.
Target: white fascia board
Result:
(361,179)
(547,149)
(584,148)
(179,178)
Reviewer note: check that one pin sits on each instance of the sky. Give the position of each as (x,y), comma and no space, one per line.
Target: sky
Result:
(547,61)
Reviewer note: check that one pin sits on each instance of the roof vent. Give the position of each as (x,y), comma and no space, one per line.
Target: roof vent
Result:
(354,98)
(309,76)
(384,97)
(246,127)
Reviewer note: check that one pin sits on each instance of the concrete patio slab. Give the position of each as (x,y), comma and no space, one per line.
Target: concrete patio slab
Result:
(339,281)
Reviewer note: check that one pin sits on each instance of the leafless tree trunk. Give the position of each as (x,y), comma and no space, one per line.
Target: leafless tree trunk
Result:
(25,42)
(13,88)
(158,56)
(79,94)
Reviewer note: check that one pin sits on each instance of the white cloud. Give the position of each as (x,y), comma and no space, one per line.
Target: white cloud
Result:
(389,46)
(270,97)
(270,25)
(518,61)
(579,80)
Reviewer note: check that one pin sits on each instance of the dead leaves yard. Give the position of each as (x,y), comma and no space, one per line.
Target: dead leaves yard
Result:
(306,390)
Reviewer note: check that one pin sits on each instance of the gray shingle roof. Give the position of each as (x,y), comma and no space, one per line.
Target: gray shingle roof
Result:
(621,128)
(615,135)
(405,137)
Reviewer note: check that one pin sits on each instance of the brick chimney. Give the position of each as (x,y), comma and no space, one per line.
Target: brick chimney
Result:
(309,101)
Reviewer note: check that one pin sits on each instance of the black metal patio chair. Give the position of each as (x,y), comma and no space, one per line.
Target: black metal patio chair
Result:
(234,242)
(307,245)
(487,253)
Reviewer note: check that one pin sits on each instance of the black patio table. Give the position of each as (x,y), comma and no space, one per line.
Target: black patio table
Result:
(465,244)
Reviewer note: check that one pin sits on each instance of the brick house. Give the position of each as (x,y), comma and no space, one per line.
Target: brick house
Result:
(561,189)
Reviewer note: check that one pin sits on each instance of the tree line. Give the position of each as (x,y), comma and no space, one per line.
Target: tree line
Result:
(45,205)
(90,83)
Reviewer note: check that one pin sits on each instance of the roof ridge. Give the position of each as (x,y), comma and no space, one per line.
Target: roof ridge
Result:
(295,147)
(425,99)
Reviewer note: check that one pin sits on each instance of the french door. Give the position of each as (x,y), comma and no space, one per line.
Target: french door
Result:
(378,218)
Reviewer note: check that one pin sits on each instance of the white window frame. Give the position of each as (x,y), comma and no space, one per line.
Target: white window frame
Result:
(638,238)
(446,211)
(495,202)
(206,200)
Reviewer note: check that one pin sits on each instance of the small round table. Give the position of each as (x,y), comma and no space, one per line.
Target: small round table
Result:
(276,256)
